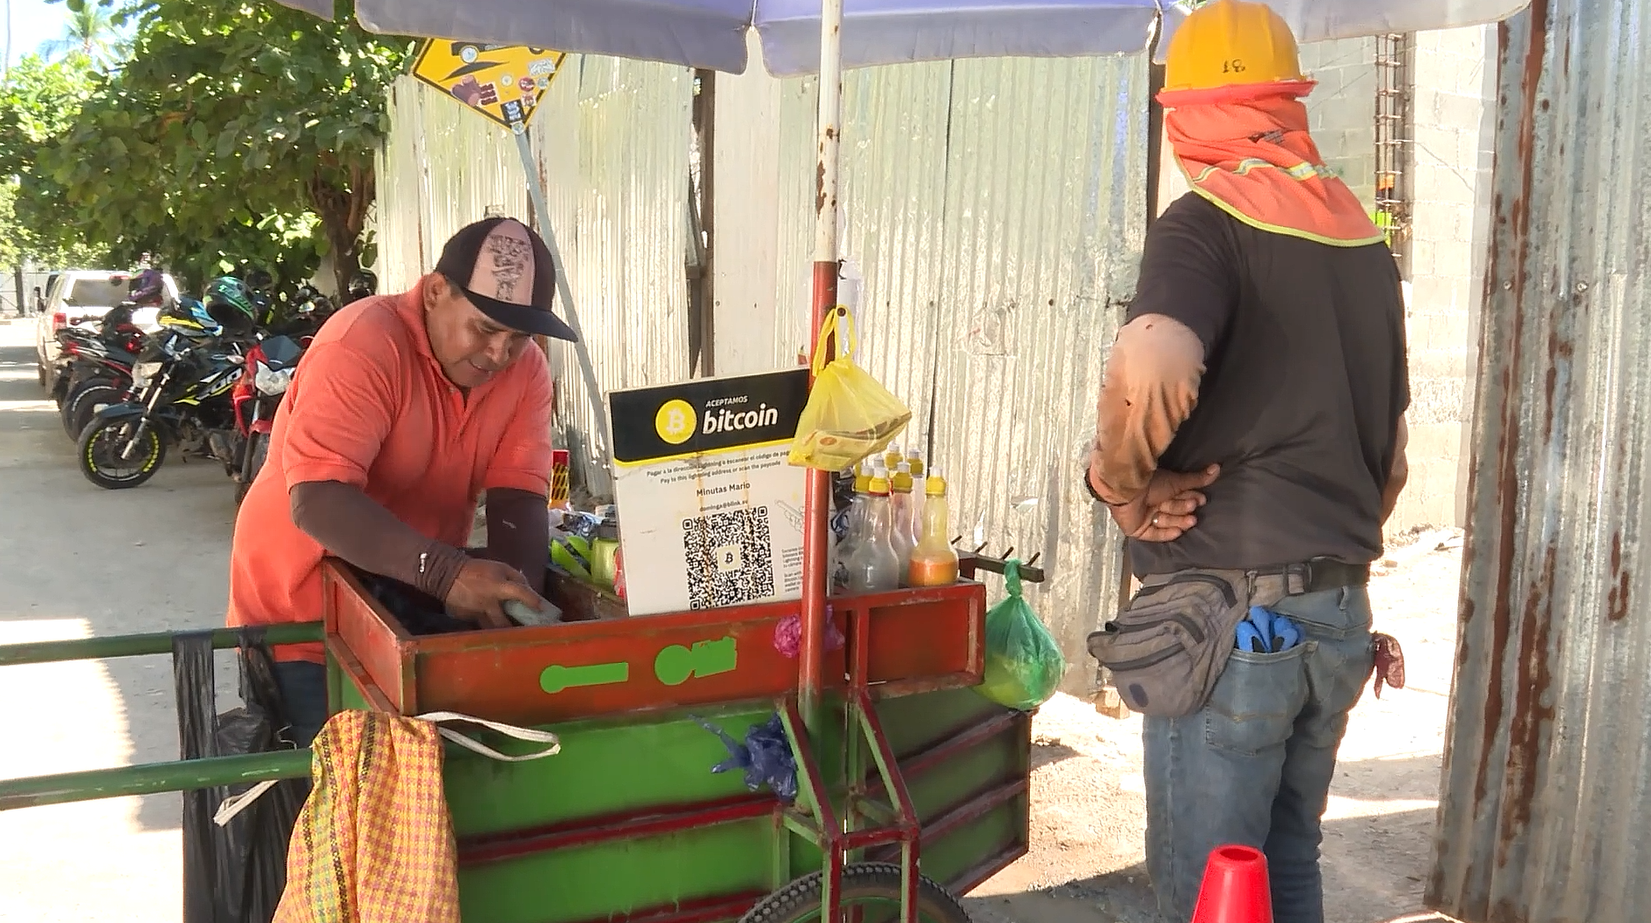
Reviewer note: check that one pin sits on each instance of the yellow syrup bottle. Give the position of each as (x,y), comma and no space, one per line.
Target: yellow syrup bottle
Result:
(934,560)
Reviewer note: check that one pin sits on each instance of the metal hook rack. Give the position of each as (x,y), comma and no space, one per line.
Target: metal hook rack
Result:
(968,562)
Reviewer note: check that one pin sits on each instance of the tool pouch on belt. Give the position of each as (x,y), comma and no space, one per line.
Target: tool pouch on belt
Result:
(1169,644)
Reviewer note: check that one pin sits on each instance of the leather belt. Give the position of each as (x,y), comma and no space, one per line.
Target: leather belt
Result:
(1317,575)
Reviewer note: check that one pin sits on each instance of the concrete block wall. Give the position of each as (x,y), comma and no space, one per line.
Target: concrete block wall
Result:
(1341,112)
(1453,111)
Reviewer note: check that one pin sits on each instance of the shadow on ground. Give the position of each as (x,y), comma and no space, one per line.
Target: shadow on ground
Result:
(122,562)
(1373,865)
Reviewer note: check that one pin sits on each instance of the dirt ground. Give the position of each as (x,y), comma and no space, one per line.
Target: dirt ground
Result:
(76,561)
(1085,864)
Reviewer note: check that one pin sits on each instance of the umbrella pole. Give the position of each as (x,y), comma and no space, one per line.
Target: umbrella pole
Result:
(817,488)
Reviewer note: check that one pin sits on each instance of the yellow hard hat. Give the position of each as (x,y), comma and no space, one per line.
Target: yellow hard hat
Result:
(1231,42)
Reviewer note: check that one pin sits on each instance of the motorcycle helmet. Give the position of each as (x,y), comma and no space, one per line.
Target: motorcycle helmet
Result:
(362,285)
(231,304)
(190,318)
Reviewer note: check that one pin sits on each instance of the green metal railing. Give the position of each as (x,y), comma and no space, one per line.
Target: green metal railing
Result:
(151,778)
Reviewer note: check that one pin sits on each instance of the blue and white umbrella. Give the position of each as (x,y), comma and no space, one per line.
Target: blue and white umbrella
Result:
(711,33)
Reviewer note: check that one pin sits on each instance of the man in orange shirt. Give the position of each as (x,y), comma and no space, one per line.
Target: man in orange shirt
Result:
(403,411)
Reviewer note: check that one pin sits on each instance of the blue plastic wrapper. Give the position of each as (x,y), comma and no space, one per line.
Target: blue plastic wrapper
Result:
(765,756)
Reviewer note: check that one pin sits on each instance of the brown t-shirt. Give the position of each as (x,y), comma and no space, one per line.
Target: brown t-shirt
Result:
(1306,379)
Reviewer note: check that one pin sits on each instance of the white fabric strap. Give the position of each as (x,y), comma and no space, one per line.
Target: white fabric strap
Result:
(235,805)
(520,733)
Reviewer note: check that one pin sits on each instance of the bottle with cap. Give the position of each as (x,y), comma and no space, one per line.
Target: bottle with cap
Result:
(854,532)
(874,566)
(914,461)
(892,456)
(934,560)
(919,472)
(903,536)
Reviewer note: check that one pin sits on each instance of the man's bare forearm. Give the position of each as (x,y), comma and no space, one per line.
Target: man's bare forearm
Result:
(1150,388)
(357,528)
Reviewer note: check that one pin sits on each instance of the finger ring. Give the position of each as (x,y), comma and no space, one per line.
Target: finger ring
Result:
(1155,519)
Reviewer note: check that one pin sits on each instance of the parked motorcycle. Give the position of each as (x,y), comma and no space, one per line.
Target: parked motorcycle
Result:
(102,352)
(256,396)
(112,384)
(180,397)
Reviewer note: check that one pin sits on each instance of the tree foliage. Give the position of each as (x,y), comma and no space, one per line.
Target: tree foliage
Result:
(237,134)
(39,102)
(93,31)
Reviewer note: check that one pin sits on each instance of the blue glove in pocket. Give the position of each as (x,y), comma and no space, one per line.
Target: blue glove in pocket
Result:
(1250,638)
(1286,634)
(1266,632)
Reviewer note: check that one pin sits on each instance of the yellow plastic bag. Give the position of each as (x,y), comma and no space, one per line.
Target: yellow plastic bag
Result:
(849,414)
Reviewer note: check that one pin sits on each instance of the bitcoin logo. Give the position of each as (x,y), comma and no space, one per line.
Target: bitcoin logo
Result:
(675,422)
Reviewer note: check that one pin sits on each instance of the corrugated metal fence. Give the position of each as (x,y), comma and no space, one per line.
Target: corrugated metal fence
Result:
(996,209)
(1548,759)
(611,141)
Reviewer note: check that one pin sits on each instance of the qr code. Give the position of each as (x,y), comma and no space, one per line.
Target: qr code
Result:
(730,558)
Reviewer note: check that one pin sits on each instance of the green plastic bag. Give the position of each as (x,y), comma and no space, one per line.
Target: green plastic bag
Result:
(1024,665)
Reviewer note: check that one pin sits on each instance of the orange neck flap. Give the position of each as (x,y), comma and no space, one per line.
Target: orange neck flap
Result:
(1251,155)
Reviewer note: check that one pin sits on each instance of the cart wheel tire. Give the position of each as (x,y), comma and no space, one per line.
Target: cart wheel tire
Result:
(864,883)
(152,449)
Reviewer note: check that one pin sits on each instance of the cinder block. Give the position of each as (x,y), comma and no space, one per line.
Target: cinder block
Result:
(1430,221)
(1435,401)
(1428,363)
(1460,111)
(1431,294)
(1421,259)
(1453,257)
(1447,332)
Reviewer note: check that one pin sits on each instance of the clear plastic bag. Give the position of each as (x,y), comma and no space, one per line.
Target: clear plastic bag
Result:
(1024,665)
(849,414)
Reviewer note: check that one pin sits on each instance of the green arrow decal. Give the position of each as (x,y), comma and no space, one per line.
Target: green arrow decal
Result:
(557,677)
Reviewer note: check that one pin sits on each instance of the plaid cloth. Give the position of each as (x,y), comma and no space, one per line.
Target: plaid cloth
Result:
(374,843)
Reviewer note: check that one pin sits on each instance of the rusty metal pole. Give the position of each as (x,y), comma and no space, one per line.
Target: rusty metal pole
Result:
(817,488)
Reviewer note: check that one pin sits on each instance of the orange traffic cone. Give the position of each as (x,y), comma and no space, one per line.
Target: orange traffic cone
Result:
(1235,888)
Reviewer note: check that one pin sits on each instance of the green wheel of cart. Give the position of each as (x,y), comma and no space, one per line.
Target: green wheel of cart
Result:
(873,888)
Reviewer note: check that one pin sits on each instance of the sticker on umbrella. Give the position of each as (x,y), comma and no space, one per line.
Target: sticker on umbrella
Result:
(502,82)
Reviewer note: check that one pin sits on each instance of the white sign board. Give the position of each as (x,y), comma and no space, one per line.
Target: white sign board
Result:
(710,512)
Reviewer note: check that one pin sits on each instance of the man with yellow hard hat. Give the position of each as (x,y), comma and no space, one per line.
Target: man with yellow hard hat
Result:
(1251,446)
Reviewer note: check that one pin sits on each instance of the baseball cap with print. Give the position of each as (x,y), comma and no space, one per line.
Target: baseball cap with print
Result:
(505,270)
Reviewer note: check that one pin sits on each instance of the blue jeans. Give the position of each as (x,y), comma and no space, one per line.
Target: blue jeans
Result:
(304,694)
(1253,768)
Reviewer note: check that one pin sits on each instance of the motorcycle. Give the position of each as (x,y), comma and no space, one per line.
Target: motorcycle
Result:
(256,396)
(103,353)
(180,397)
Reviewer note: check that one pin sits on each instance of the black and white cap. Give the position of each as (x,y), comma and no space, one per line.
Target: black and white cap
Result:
(505,270)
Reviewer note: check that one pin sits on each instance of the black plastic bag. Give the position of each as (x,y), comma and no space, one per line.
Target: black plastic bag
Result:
(234,873)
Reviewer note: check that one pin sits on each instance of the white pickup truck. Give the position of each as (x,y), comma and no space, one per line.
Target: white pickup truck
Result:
(80,297)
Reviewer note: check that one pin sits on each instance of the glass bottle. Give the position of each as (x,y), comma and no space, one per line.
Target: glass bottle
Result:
(934,560)
(875,567)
